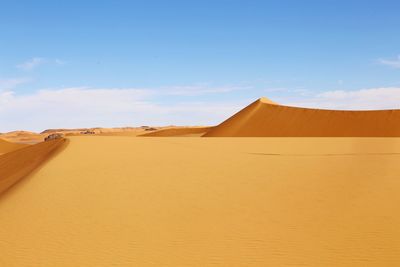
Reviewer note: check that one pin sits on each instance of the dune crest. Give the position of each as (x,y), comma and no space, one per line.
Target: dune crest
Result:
(18,164)
(267,101)
(266,118)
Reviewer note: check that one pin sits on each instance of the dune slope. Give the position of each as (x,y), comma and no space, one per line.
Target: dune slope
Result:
(6,146)
(120,201)
(18,164)
(266,118)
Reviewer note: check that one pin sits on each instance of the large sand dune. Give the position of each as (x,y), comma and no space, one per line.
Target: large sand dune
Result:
(122,201)
(6,146)
(266,118)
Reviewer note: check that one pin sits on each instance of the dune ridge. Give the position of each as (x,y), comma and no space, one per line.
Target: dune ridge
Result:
(17,164)
(264,118)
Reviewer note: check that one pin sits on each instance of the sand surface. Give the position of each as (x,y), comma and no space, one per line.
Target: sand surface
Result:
(122,201)
(266,118)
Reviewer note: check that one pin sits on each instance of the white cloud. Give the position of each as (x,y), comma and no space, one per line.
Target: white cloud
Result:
(59,62)
(195,90)
(38,61)
(276,89)
(108,107)
(7,84)
(31,63)
(394,63)
(364,99)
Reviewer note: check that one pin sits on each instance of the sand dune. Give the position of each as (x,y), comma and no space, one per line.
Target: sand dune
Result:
(26,137)
(96,130)
(18,164)
(121,201)
(179,131)
(6,146)
(266,118)
(23,137)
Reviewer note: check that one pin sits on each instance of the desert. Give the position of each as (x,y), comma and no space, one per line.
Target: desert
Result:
(212,133)
(98,200)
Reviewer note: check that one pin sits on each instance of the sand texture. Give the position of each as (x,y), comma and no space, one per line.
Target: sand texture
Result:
(123,201)
(266,118)
(17,164)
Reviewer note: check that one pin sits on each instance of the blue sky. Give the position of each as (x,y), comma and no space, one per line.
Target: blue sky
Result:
(115,63)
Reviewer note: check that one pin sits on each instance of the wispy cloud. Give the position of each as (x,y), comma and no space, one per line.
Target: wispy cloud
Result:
(8,84)
(38,61)
(194,90)
(59,62)
(394,63)
(31,63)
(364,99)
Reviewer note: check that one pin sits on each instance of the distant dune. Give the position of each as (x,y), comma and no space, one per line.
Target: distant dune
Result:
(23,137)
(26,137)
(266,118)
(6,146)
(179,131)
(97,130)
(18,164)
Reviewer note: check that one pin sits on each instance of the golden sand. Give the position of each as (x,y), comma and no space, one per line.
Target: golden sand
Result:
(266,118)
(122,201)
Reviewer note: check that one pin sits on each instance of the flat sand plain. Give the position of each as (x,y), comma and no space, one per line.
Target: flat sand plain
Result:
(125,201)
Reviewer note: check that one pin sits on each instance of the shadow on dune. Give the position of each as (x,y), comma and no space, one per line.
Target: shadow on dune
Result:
(16,165)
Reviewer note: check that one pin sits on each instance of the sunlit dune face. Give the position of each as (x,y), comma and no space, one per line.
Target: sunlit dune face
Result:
(264,118)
